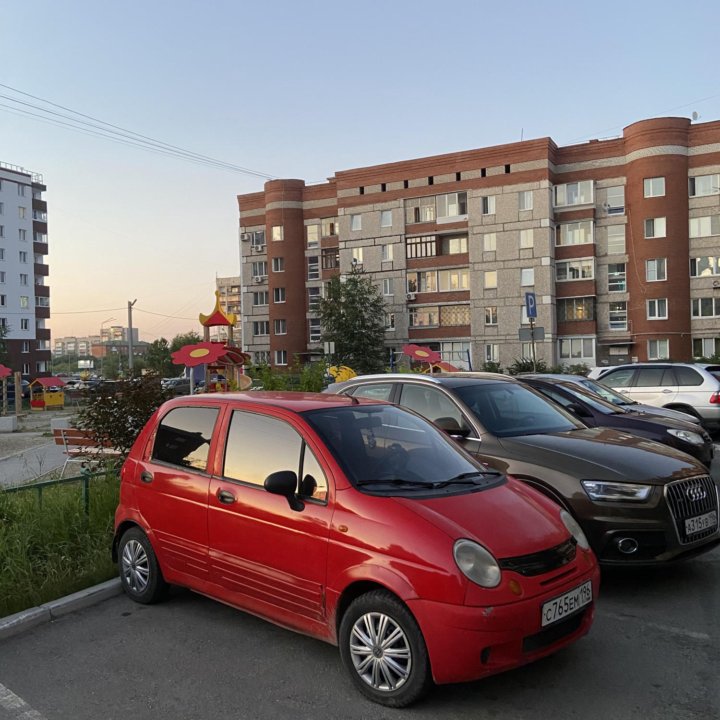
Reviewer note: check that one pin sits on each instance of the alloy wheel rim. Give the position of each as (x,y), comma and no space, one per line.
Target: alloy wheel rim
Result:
(380,652)
(135,566)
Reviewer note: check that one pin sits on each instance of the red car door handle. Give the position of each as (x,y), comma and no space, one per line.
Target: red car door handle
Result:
(225,497)
(146,476)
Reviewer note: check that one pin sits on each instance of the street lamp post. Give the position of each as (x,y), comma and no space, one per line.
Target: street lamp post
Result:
(102,345)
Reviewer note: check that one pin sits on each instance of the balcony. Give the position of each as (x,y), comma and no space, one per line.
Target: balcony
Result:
(41,269)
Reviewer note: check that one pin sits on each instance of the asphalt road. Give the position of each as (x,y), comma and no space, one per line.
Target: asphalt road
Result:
(653,654)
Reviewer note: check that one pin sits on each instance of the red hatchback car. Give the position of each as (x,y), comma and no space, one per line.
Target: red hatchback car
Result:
(358,523)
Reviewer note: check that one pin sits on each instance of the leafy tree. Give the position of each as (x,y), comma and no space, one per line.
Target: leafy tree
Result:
(110,366)
(158,359)
(352,315)
(116,418)
(189,338)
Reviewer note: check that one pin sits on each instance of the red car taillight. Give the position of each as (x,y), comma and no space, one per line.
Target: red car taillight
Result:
(715,398)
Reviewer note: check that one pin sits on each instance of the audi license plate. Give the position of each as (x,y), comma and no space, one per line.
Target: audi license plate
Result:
(561,607)
(701,522)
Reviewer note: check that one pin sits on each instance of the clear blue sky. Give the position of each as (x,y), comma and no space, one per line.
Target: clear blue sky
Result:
(301,89)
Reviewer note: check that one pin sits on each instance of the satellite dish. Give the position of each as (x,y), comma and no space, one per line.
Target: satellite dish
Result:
(695,116)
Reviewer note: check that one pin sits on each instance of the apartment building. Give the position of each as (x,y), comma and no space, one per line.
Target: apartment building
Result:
(230,297)
(24,292)
(618,239)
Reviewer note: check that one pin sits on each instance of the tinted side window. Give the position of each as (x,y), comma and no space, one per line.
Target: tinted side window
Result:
(655,377)
(687,376)
(183,437)
(618,378)
(430,403)
(555,396)
(258,446)
(379,391)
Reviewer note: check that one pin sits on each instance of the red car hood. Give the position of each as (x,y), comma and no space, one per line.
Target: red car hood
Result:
(509,520)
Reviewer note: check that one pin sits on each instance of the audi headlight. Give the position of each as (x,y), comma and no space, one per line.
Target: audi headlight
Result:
(477,563)
(687,436)
(599,490)
(575,530)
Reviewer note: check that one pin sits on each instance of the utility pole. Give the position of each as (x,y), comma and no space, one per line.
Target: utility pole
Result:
(130,337)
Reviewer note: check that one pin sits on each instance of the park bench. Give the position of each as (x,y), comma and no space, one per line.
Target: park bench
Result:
(81,446)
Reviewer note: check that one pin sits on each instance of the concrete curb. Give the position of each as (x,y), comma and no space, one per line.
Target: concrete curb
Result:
(27,619)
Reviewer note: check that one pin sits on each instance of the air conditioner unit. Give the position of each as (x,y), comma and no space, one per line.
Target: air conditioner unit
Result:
(410,296)
(258,278)
(246,237)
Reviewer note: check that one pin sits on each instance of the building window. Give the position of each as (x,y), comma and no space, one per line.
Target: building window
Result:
(261,327)
(260,298)
(389,321)
(656,270)
(616,277)
(2,208)
(278,264)
(22,235)
(492,352)
(490,279)
(577,349)
(454,315)
(654,187)
(25,302)
(25,347)
(490,242)
(704,266)
(658,349)
(616,239)
(2,276)
(706,347)
(262,357)
(328,226)
(3,300)
(491,315)
(387,286)
(453,280)
(657,309)
(2,231)
(706,307)
(330,258)
(315,330)
(419,210)
(313,235)
(421,282)
(617,316)
(23,279)
(419,247)
(452,205)
(705,226)
(22,212)
(424,316)
(355,223)
(313,268)
(488,204)
(387,252)
(259,268)
(655,227)
(704,185)
(357,257)
(527,238)
(615,204)
(24,324)
(279,295)
(578,193)
(566,270)
(281,357)
(527,277)
(572,309)
(577,233)
(454,245)
(280,327)
(525,200)
(21,190)
(257,241)
(278,233)
(314,298)
(386,218)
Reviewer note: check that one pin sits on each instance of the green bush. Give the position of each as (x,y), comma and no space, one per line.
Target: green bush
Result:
(49,546)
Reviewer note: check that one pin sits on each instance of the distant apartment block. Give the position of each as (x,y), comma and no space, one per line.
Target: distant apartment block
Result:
(230,290)
(24,291)
(619,240)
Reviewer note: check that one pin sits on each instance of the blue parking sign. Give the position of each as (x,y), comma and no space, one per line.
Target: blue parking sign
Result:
(530,305)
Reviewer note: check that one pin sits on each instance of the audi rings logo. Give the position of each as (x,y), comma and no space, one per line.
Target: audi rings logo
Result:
(696,493)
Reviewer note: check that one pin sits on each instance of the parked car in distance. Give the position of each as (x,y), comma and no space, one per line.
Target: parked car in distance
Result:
(615,397)
(690,388)
(593,411)
(358,523)
(178,386)
(639,502)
